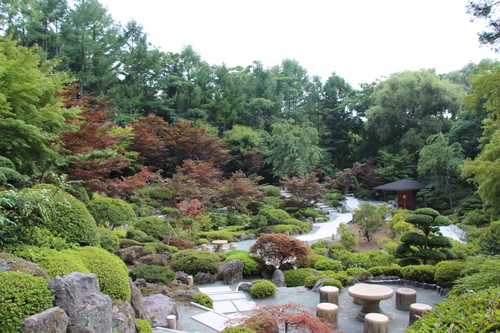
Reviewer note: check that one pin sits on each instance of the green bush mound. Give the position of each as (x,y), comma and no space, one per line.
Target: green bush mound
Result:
(328,264)
(143,326)
(333,283)
(109,212)
(280,213)
(108,240)
(323,244)
(110,269)
(238,329)
(179,243)
(6,163)
(273,191)
(420,273)
(158,248)
(448,272)
(281,228)
(22,295)
(140,236)
(11,176)
(251,264)
(203,299)
(235,252)
(153,274)
(358,272)
(153,226)
(471,312)
(52,261)
(342,276)
(70,218)
(392,270)
(296,277)
(262,288)
(192,262)
(313,258)
(223,234)
(128,242)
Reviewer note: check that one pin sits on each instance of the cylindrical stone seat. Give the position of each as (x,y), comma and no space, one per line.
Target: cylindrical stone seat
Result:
(210,249)
(233,247)
(190,280)
(404,298)
(172,322)
(376,323)
(204,247)
(329,294)
(224,250)
(416,311)
(329,312)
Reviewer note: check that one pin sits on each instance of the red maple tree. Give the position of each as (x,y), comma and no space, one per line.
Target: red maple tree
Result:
(149,140)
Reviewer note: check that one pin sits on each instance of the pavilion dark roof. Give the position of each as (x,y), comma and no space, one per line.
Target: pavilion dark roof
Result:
(402,185)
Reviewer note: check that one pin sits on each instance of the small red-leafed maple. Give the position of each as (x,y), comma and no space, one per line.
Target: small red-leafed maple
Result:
(202,172)
(126,186)
(149,140)
(307,189)
(279,249)
(192,209)
(238,191)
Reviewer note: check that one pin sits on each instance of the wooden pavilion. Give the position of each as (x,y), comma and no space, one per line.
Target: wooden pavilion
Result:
(407,191)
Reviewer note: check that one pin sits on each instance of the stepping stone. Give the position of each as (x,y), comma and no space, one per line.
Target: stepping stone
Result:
(211,319)
(227,297)
(225,307)
(244,305)
(215,290)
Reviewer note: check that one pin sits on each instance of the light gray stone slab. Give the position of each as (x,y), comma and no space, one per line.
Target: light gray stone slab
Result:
(227,297)
(212,320)
(215,290)
(244,305)
(225,307)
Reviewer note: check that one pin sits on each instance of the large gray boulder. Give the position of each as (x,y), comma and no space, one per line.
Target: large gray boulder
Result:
(78,294)
(123,317)
(130,254)
(232,272)
(278,278)
(204,278)
(137,302)
(53,320)
(154,259)
(157,308)
(10,263)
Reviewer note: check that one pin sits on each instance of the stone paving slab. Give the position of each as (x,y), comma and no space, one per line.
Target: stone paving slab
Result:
(215,290)
(225,307)
(229,296)
(244,305)
(211,319)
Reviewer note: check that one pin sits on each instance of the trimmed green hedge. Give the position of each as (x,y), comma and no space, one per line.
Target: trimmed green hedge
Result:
(193,261)
(296,277)
(203,299)
(251,264)
(328,264)
(22,295)
(420,273)
(223,234)
(262,288)
(153,274)
(393,270)
(109,212)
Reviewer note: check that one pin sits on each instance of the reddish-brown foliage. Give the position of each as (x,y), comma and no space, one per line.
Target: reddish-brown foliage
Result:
(126,186)
(179,243)
(307,189)
(238,191)
(202,172)
(149,140)
(188,189)
(192,209)
(289,317)
(279,249)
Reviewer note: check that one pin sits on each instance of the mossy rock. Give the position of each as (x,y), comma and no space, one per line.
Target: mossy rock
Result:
(9,263)
(124,243)
(22,295)
(109,212)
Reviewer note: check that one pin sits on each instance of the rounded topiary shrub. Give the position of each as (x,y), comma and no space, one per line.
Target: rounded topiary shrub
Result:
(311,280)
(158,248)
(358,272)
(393,270)
(143,326)
(110,269)
(153,274)
(109,212)
(333,283)
(192,262)
(52,261)
(238,329)
(140,236)
(153,226)
(11,176)
(420,273)
(273,191)
(79,192)
(328,264)
(108,240)
(471,312)
(70,218)
(262,288)
(409,262)
(251,264)
(203,299)
(22,295)
(448,272)
(296,277)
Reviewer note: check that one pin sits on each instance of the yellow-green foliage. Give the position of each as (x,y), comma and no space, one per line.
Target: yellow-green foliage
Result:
(70,218)
(52,261)
(251,264)
(262,288)
(109,212)
(280,213)
(21,295)
(191,262)
(143,326)
(158,248)
(281,228)
(108,240)
(203,299)
(223,234)
(110,269)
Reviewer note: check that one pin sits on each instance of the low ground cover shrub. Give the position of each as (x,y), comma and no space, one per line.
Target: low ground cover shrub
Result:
(143,326)
(392,270)
(282,228)
(153,226)
(223,234)
(22,295)
(262,288)
(420,273)
(191,262)
(238,329)
(296,277)
(251,264)
(328,265)
(333,283)
(448,272)
(140,236)
(203,299)
(153,274)
(158,248)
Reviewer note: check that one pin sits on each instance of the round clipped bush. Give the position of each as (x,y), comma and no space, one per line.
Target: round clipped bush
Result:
(158,248)
(140,236)
(393,270)
(22,295)
(280,214)
(153,226)
(238,329)
(471,312)
(251,265)
(333,283)
(70,218)
(127,243)
(448,272)
(420,273)
(311,280)
(262,288)
(108,240)
(110,269)
(273,192)
(296,277)
(328,264)
(358,272)
(192,262)
(52,261)
(153,274)
(203,299)
(143,326)
(314,258)
(109,212)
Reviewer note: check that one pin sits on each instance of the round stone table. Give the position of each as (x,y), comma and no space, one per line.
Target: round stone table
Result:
(370,295)
(218,244)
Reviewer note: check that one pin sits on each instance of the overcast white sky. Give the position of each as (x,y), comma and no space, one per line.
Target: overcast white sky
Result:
(360,40)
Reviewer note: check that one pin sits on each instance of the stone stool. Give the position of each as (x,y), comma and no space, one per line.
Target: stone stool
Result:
(204,247)
(209,249)
(416,311)
(376,323)
(233,247)
(172,322)
(329,294)
(224,250)
(190,280)
(329,312)
(404,298)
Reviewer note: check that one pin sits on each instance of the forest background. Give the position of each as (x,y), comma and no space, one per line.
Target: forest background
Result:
(86,98)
